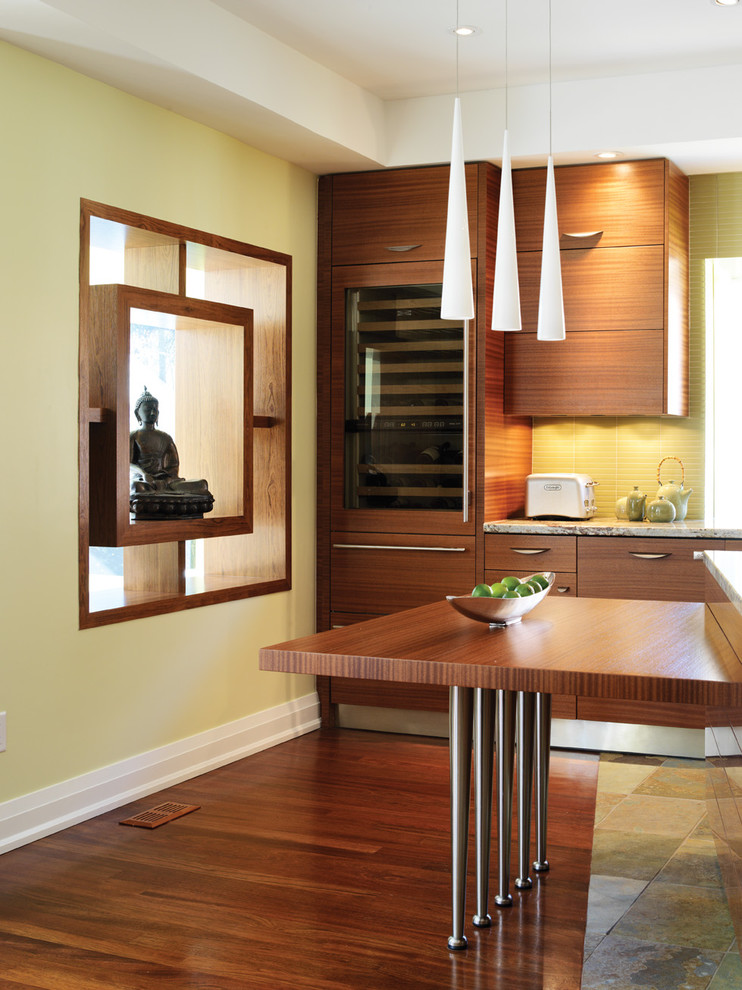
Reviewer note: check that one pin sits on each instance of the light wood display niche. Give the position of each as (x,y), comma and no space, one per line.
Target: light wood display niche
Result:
(204,323)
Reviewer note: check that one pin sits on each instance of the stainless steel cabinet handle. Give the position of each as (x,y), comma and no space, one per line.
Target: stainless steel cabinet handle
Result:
(379,546)
(649,556)
(528,550)
(563,589)
(401,247)
(582,234)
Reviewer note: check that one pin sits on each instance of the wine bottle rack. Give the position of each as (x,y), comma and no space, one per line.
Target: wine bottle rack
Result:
(404,400)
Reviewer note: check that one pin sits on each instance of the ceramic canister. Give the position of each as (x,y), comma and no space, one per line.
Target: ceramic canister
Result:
(635,504)
(661,510)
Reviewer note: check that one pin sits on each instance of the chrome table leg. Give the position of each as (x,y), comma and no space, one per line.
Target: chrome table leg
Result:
(484,741)
(526,707)
(543,744)
(460,709)
(504,755)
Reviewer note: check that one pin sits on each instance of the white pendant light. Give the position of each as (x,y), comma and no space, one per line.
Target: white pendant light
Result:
(551,324)
(506,296)
(550,302)
(457,299)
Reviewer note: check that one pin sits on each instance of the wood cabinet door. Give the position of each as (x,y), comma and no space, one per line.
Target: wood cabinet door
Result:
(395,215)
(649,569)
(609,373)
(604,289)
(529,553)
(622,201)
(376,573)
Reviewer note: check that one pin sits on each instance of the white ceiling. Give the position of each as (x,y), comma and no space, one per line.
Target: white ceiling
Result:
(342,84)
(399,49)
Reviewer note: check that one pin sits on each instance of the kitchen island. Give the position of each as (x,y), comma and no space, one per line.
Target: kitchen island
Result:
(666,652)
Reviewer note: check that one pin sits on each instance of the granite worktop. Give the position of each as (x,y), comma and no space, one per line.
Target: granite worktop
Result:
(610,526)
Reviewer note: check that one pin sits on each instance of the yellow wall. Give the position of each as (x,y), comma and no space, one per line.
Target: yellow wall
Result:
(77,701)
(623,452)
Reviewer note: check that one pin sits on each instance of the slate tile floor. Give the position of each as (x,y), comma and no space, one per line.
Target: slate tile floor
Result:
(657,915)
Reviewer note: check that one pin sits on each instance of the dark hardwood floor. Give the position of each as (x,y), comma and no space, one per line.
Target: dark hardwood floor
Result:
(321,864)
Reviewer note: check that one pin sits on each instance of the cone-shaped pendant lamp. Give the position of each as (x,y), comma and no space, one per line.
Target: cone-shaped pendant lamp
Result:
(506,298)
(457,300)
(551,303)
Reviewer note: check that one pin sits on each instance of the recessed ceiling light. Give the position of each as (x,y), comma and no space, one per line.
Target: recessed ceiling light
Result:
(725,3)
(464,31)
(608,154)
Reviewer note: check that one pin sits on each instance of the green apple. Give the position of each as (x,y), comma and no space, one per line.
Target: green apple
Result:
(511,582)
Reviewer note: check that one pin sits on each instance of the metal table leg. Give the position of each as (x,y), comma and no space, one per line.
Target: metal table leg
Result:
(526,708)
(505,752)
(543,744)
(461,701)
(484,742)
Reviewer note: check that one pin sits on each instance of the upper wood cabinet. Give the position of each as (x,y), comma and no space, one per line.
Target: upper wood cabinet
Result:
(622,202)
(624,240)
(395,215)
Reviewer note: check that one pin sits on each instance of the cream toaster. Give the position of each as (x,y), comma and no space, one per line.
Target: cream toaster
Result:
(560,496)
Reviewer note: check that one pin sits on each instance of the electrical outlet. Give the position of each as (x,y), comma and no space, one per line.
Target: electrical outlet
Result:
(2,732)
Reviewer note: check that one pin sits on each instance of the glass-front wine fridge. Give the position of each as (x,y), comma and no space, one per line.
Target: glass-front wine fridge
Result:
(406,411)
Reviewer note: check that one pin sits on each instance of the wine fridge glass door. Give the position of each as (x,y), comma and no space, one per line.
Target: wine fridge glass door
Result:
(405,401)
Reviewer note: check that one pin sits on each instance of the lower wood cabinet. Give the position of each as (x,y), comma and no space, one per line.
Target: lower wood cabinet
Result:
(641,713)
(529,553)
(565,583)
(649,569)
(521,555)
(376,573)
(373,574)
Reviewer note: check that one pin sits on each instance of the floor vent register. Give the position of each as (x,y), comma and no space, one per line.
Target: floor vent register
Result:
(160,815)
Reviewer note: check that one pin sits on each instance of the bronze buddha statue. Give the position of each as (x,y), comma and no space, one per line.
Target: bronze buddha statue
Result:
(156,488)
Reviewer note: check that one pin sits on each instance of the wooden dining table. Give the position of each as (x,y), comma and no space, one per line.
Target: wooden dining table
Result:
(625,650)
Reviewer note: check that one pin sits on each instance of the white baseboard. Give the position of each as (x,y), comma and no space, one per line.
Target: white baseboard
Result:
(40,813)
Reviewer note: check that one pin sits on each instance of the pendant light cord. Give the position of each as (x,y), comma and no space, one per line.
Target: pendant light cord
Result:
(456,32)
(550,97)
(506,64)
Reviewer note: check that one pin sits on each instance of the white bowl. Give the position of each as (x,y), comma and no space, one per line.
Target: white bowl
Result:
(500,611)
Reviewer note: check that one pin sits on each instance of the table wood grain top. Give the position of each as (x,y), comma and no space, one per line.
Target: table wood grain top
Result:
(628,650)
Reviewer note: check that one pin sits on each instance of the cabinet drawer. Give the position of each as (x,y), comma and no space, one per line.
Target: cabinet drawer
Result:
(565,582)
(624,200)
(641,713)
(609,373)
(604,289)
(381,573)
(651,569)
(395,215)
(528,554)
